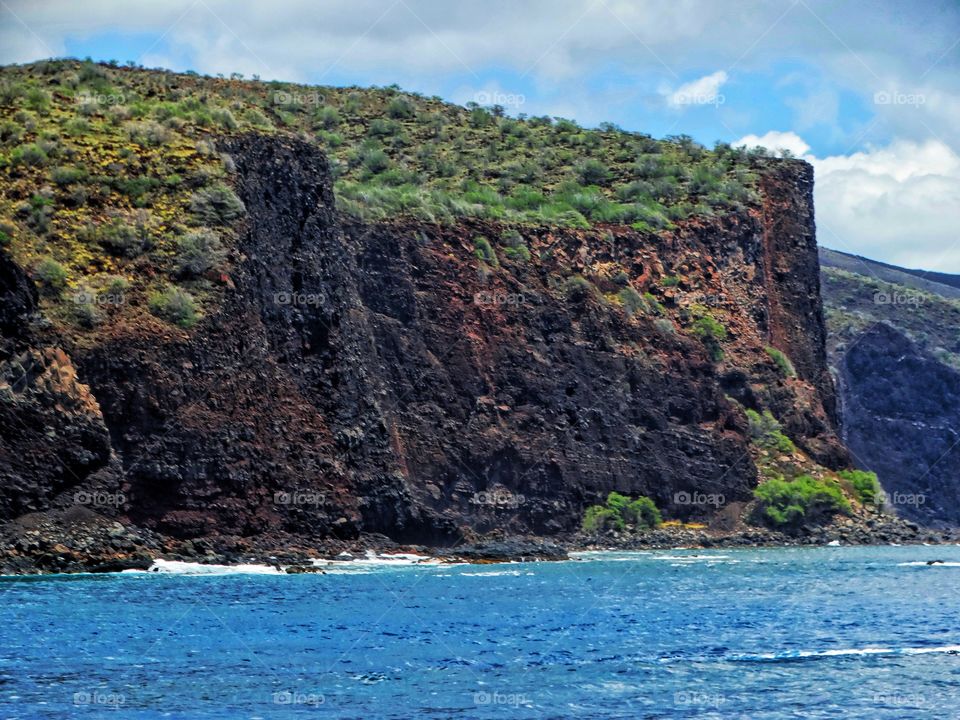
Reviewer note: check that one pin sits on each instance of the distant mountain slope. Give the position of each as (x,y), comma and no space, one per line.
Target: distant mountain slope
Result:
(933,282)
(894,348)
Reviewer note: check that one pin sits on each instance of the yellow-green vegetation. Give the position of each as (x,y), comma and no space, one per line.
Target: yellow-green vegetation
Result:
(782,362)
(107,176)
(107,170)
(854,302)
(709,330)
(621,512)
(863,485)
(804,499)
(766,432)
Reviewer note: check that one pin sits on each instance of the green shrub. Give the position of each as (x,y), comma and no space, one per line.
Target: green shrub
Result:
(374,160)
(790,503)
(711,332)
(67,174)
(198,252)
(326,118)
(598,519)
(52,274)
(120,236)
(632,301)
(514,246)
(38,100)
(782,362)
(670,281)
(29,154)
(149,133)
(216,205)
(864,485)
(400,109)
(767,433)
(642,513)
(578,288)
(224,118)
(484,251)
(621,511)
(591,172)
(174,305)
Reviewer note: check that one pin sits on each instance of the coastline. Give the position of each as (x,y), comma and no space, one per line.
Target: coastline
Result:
(86,543)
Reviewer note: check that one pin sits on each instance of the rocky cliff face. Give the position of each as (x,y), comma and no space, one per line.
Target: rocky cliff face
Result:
(383,379)
(901,411)
(895,351)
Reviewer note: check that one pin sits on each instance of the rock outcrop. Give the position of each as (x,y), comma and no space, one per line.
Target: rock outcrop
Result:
(380,378)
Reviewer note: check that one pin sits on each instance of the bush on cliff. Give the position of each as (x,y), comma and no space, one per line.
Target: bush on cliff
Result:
(198,252)
(174,305)
(782,362)
(791,503)
(863,484)
(711,332)
(766,432)
(621,511)
(52,274)
(216,205)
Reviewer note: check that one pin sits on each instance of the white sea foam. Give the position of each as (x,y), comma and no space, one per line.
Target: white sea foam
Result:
(850,652)
(691,558)
(372,561)
(178,567)
(938,563)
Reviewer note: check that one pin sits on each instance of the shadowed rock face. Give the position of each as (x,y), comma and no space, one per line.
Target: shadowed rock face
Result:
(901,418)
(379,379)
(53,436)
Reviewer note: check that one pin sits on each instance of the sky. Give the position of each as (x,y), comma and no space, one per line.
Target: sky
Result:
(868,91)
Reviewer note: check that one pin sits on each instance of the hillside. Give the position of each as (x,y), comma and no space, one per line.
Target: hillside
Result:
(894,348)
(249,315)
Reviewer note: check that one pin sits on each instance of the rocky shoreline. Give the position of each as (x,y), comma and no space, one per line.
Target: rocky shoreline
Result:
(78,540)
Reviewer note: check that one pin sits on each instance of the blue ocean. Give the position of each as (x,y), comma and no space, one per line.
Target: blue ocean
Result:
(824,632)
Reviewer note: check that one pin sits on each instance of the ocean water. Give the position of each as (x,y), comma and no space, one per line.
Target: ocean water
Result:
(770,633)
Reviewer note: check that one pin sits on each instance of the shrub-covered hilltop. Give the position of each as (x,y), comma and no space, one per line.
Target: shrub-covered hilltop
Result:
(109,174)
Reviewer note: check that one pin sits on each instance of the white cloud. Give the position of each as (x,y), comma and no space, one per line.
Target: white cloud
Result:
(899,204)
(703,91)
(776,141)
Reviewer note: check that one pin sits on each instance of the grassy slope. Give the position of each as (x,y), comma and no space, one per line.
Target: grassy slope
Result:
(89,149)
(853,302)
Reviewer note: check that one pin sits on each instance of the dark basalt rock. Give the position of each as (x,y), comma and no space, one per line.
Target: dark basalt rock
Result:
(901,418)
(362,379)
